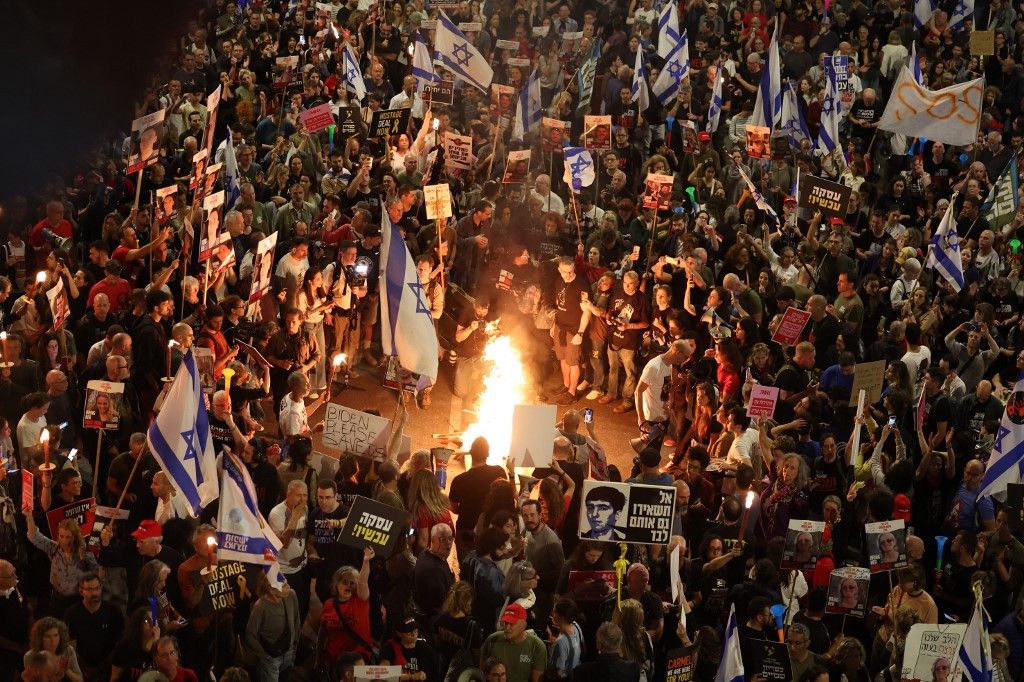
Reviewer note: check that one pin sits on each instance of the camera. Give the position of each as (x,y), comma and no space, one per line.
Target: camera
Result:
(360,270)
(973,327)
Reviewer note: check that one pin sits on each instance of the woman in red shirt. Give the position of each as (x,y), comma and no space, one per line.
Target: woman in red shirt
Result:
(730,364)
(429,506)
(345,620)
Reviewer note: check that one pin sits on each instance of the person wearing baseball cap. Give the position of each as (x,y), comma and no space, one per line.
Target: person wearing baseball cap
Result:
(522,652)
(114,552)
(418,659)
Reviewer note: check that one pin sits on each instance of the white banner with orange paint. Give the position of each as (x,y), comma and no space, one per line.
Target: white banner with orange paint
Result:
(950,115)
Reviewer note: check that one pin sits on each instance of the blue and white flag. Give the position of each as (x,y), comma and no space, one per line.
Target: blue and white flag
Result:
(232,184)
(242,532)
(715,108)
(407,329)
(529,109)
(180,441)
(975,651)
(668,29)
(944,254)
(638,91)
(1006,462)
(422,63)
(458,55)
(353,74)
(579,168)
(964,9)
(759,199)
(915,64)
(768,103)
(730,668)
(795,190)
(677,67)
(828,132)
(923,10)
(791,120)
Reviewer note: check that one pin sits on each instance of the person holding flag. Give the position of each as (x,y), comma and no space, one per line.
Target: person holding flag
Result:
(976,650)
(768,103)
(677,67)
(944,250)
(529,110)
(422,68)
(730,667)
(715,107)
(353,75)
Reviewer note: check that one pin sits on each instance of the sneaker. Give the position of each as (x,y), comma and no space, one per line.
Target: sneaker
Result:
(582,386)
(594,394)
(566,398)
(622,407)
(668,443)
(313,396)
(607,398)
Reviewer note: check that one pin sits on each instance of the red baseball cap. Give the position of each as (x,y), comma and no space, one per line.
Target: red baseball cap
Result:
(901,508)
(513,614)
(148,528)
(704,136)
(789,200)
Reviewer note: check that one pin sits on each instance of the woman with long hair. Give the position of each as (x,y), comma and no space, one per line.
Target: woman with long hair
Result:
(429,506)
(705,406)
(636,643)
(298,467)
(135,649)
(785,497)
(51,635)
(565,640)
(454,628)
(501,495)
(152,584)
(313,301)
(730,365)
(69,559)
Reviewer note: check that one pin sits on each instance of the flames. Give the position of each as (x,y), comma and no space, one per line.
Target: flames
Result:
(505,387)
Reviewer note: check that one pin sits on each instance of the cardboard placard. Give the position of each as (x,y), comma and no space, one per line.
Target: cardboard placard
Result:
(775,663)
(759,142)
(379,673)
(597,132)
(458,151)
(869,377)
(626,512)
(147,131)
(831,198)
(318,118)
(539,31)
(762,401)
(803,538)
(503,99)
(657,191)
(103,404)
(554,132)
(982,43)
(533,435)
(164,209)
(82,511)
(466,26)
(517,168)
(263,267)
(887,545)
(848,591)
(507,44)
(233,583)
(199,160)
(791,326)
(350,122)
(926,644)
(679,664)
(387,122)
(374,524)
(440,92)
(28,500)
(438,201)
(518,61)
(349,430)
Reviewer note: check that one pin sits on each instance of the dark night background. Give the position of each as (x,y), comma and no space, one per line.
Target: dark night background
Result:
(71,73)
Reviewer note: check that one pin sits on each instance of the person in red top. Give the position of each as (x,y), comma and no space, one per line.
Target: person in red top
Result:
(345,620)
(211,336)
(117,290)
(55,223)
(166,658)
(130,255)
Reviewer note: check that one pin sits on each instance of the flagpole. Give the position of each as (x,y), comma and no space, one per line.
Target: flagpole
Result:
(127,484)
(494,148)
(99,454)
(152,224)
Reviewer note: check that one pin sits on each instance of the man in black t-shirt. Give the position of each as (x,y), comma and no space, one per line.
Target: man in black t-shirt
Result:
(571,321)
(94,625)
(865,114)
(628,315)
(470,339)
(325,552)
(794,381)
(468,492)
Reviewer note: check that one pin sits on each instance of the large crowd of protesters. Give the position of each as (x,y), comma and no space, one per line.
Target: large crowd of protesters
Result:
(665,314)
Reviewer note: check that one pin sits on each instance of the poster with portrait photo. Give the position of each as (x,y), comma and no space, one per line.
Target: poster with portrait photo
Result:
(517,169)
(597,132)
(212,106)
(931,652)
(657,191)
(263,267)
(163,210)
(803,538)
(144,144)
(689,141)
(503,99)
(104,402)
(209,237)
(848,591)
(205,365)
(199,162)
(58,299)
(555,132)
(625,512)
(759,142)
(205,188)
(887,545)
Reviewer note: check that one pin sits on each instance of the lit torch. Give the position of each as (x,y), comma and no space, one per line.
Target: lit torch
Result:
(170,344)
(211,543)
(746,514)
(44,440)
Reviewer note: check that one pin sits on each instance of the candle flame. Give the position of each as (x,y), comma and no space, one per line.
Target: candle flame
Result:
(172,343)
(750,499)
(41,277)
(436,124)
(338,359)
(44,436)
(3,336)
(211,541)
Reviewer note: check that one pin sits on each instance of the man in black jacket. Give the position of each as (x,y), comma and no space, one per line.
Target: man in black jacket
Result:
(610,666)
(434,577)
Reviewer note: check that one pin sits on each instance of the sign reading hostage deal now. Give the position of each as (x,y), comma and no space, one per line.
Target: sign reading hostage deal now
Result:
(374,524)
(831,198)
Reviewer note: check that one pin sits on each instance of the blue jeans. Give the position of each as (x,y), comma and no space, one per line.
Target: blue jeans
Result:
(270,669)
(625,359)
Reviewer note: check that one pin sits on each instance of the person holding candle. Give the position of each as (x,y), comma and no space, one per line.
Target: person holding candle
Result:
(32,423)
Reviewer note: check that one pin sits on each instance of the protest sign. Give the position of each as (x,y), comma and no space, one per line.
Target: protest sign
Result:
(438,200)
(838,70)
(58,299)
(759,142)
(102,516)
(232,583)
(212,107)
(533,434)
(869,377)
(597,132)
(762,401)
(554,133)
(507,44)
(348,430)
(325,465)
(831,198)
(83,512)
(205,364)
(350,122)
(539,31)
(378,673)
(210,236)
(791,326)
(657,191)
(591,585)
(388,122)
(147,131)
(689,139)
(374,524)
(469,26)
(199,161)
(286,68)
(164,209)
(803,538)
(103,404)
(926,645)
(263,267)
(887,545)
(517,168)
(848,591)
(982,43)
(458,151)
(679,664)
(27,492)
(439,92)
(502,99)
(626,512)
(317,118)
(775,663)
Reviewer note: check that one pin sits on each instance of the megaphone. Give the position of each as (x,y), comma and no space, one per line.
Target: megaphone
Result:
(58,241)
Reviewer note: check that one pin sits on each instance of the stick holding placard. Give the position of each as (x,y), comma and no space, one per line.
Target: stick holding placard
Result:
(855,449)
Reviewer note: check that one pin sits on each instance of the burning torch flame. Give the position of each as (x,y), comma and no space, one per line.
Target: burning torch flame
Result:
(338,359)
(44,436)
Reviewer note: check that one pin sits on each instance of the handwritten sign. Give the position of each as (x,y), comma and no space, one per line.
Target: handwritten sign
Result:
(869,377)
(348,430)
(982,43)
(791,327)
(831,198)
(438,199)
(762,401)
(626,512)
(374,524)
(317,118)
(926,644)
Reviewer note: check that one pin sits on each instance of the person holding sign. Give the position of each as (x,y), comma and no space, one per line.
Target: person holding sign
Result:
(69,560)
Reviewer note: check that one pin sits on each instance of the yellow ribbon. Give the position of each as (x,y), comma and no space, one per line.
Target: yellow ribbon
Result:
(621,566)
(243,589)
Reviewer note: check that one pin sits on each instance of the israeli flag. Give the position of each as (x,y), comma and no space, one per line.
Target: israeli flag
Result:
(677,67)
(792,125)
(407,330)
(529,109)
(923,10)
(768,104)
(915,64)
(730,668)
(962,10)
(975,651)
(715,109)
(353,75)
(668,29)
(231,175)
(242,532)
(422,63)
(1006,462)
(944,254)
(759,199)
(579,168)
(179,439)
(828,132)
(459,56)
(638,91)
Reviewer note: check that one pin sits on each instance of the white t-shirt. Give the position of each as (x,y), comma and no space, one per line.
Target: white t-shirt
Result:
(742,448)
(28,431)
(278,521)
(657,377)
(913,361)
(294,421)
